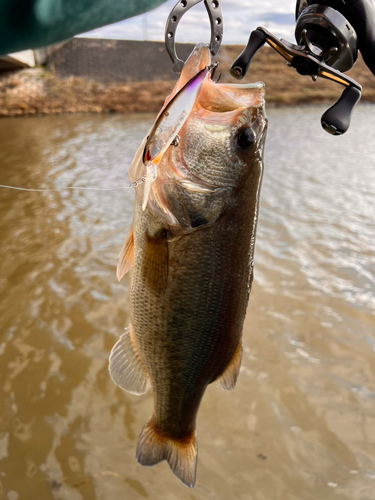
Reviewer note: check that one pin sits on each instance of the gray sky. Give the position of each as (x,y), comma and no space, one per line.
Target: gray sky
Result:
(240,18)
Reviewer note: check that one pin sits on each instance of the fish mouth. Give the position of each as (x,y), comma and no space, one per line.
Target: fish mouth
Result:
(226,97)
(217,97)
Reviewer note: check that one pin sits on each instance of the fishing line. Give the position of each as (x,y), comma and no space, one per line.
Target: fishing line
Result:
(133,185)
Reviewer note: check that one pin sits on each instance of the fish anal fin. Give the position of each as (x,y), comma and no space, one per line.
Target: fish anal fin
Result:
(181,454)
(155,263)
(125,260)
(125,365)
(228,378)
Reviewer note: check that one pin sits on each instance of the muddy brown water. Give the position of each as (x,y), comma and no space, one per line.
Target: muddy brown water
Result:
(300,424)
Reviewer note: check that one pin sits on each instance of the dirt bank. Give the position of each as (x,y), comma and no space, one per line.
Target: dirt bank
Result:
(37,91)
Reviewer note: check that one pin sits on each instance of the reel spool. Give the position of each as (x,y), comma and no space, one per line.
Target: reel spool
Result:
(329,35)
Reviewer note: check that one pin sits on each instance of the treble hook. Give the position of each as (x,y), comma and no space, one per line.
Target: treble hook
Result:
(215,15)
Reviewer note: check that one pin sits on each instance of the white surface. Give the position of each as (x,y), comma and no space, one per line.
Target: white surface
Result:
(26,57)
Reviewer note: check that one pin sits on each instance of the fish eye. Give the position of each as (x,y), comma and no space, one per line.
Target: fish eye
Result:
(245,138)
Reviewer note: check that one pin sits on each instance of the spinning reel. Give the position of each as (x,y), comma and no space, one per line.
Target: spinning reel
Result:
(327,47)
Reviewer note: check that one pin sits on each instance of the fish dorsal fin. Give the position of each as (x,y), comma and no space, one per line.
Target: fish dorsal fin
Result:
(125,259)
(155,263)
(181,454)
(228,379)
(125,365)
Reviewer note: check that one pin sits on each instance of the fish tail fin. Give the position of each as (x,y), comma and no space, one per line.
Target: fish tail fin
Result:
(181,454)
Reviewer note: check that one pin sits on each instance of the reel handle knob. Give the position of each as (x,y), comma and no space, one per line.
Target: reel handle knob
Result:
(241,64)
(336,119)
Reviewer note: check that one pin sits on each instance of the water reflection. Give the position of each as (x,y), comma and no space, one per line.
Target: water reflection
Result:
(300,423)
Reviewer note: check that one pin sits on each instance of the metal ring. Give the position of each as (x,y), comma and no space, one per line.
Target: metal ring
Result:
(215,15)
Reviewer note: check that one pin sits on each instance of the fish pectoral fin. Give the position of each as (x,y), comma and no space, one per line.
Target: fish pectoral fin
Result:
(125,365)
(181,454)
(228,379)
(155,264)
(125,259)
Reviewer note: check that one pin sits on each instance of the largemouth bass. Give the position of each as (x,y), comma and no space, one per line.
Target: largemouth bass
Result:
(191,249)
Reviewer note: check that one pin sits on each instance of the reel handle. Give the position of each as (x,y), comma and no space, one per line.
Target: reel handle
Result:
(241,64)
(336,119)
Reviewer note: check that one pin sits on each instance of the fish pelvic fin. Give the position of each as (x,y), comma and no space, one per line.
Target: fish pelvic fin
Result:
(125,259)
(228,378)
(181,454)
(125,365)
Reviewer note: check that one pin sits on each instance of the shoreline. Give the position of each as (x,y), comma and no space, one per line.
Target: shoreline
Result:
(38,91)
